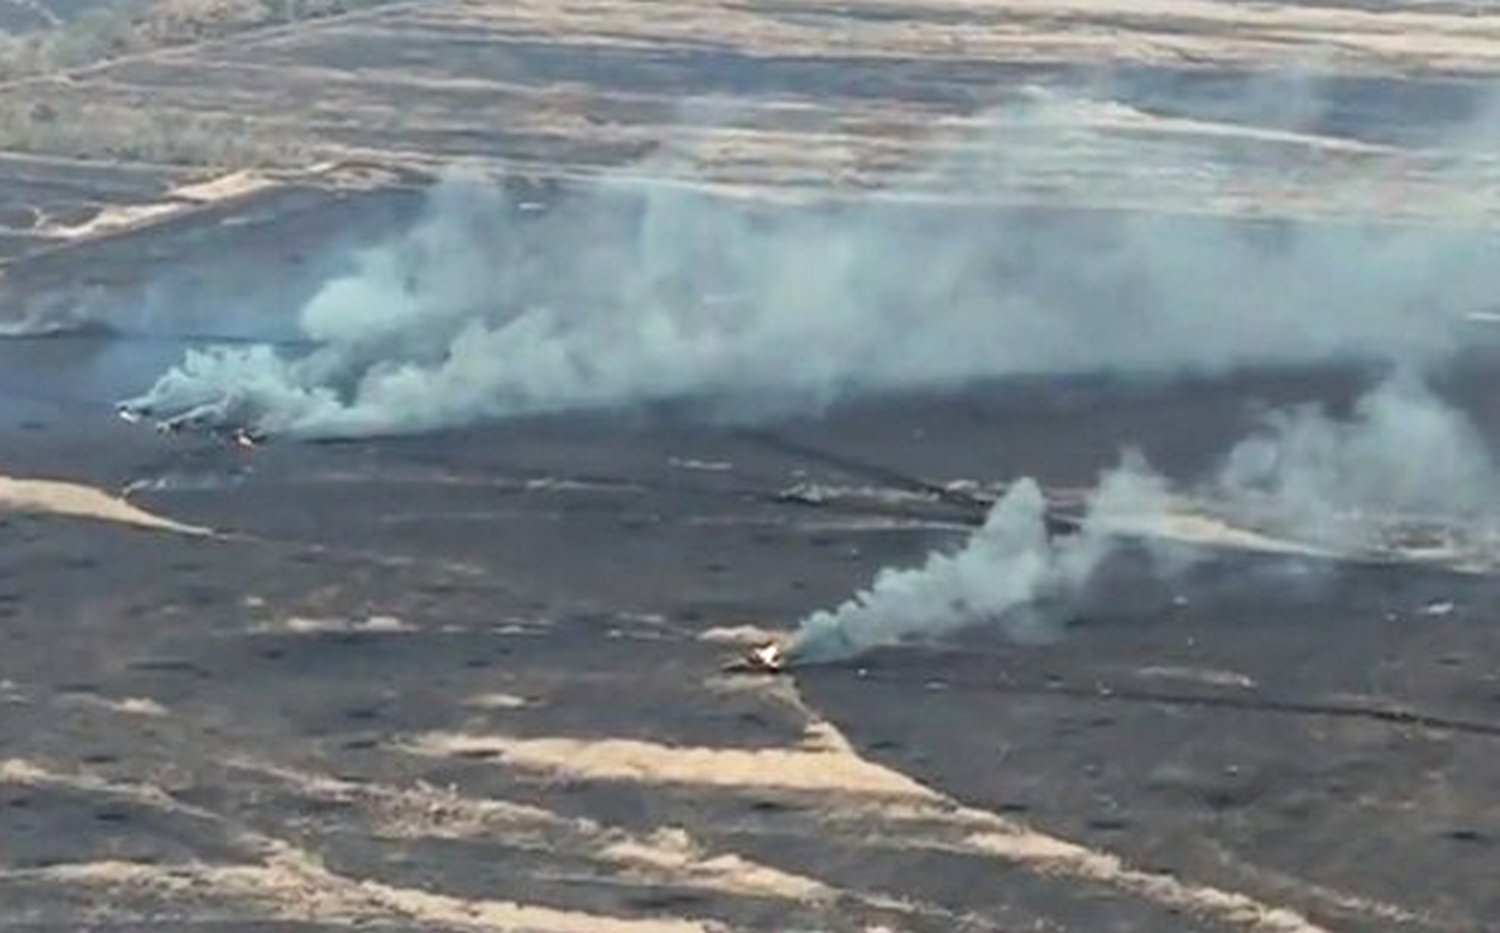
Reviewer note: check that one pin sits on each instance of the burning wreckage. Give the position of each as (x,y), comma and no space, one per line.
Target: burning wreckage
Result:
(226,392)
(218,420)
(768,658)
(227,421)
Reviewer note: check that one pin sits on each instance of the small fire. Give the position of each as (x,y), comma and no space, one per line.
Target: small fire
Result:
(769,657)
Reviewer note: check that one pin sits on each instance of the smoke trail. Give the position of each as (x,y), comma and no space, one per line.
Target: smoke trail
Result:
(1403,459)
(1008,572)
(637,291)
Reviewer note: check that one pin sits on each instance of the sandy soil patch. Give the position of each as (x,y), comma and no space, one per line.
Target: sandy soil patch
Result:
(373,625)
(498,701)
(79,501)
(289,884)
(888,802)
(819,766)
(293,886)
(129,706)
(223,188)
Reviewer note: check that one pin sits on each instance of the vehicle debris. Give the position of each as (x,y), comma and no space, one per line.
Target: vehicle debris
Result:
(207,420)
(769,658)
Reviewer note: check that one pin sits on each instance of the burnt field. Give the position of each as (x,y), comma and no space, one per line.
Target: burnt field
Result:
(471,679)
(525,363)
(418,683)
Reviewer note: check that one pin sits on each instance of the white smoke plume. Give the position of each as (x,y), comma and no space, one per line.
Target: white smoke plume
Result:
(1010,571)
(1403,461)
(633,292)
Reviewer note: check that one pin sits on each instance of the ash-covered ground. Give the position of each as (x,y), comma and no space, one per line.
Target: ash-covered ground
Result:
(1098,401)
(470,680)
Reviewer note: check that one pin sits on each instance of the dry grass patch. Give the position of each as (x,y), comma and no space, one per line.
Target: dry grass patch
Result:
(98,35)
(116,131)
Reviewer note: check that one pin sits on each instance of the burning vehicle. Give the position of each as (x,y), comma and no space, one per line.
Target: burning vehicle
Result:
(220,420)
(769,658)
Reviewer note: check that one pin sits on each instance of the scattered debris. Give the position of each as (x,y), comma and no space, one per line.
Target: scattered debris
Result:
(205,419)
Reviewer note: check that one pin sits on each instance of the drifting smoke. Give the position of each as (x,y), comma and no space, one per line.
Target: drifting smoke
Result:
(1405,460)
(1010,571)
(634,292)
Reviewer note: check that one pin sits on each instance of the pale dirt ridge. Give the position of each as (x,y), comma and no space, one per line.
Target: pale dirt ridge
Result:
(74,500)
